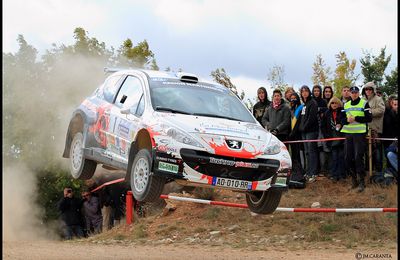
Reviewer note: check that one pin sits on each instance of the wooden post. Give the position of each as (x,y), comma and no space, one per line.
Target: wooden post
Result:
(370,152)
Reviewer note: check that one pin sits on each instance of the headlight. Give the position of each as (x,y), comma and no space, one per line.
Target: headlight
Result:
(273,147)
(182,137)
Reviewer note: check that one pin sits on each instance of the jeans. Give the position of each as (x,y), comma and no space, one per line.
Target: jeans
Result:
(392,157)
(337,165)
(311,149)
(73,230)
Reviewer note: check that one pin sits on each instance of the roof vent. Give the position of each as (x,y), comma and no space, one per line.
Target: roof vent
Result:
(187,77)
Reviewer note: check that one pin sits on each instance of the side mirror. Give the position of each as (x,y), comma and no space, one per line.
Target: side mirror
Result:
(125,111)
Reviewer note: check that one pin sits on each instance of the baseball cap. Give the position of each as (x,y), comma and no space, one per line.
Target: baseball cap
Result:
(354,89)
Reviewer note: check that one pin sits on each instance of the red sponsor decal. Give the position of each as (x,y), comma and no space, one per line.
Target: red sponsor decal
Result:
(254,185)
(152,134)
(224,150)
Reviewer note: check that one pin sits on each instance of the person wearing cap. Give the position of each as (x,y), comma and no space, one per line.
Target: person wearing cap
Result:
(377,106)
(71,215)
(357,114)
(262,104)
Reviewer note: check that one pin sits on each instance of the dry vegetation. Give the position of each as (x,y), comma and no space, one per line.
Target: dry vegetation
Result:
(209,225)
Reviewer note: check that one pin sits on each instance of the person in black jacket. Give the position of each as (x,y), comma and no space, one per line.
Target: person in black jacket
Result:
(309,131)
(323,150)
(71,214)
(263,103)
(390,121)
(331,124)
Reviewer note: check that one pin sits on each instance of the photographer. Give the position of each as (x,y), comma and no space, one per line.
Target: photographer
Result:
(71,214)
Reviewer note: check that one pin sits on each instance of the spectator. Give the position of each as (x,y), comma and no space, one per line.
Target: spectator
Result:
(328,93)
(379,92)
(106,208)
(295,148)
(71,214)
(262,104)
(330,126)
(345,94)
(323,149)
(92,212)
(392,153)
(390,121)
(117,193)
(277,117)
(357,115)
(288,93)
(309,130)
(376,125)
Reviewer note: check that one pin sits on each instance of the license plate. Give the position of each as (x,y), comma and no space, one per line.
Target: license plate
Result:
(281,180)
(168,167)
(229,183)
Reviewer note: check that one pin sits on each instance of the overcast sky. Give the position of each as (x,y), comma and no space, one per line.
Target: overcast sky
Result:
(246,37)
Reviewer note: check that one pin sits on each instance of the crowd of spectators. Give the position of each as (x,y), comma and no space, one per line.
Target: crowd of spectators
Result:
(316,113)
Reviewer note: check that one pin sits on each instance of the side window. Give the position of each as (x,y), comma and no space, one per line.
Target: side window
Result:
(129,94)
(111,87)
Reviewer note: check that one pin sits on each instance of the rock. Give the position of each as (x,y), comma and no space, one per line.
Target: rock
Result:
(254,214)
(315,205)
(234,227)
(168,208)
(213,233)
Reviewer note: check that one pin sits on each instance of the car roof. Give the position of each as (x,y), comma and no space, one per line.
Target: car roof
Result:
(163,74)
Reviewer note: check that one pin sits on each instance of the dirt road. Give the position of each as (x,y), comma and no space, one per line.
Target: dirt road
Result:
(83,250)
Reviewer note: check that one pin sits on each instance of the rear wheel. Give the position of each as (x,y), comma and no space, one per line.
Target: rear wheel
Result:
(80,167)
(145,186)
(263,202)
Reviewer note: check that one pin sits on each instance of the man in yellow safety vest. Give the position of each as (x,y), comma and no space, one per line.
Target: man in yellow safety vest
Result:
(355,126)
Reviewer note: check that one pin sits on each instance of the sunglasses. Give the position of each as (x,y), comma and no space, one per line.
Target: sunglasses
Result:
(370,89)
(334,103)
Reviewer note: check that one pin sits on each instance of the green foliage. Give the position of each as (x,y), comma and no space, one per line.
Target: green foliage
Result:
(137,56)
(391,85)
(344,72)
(321,74)
(373,67)
(50,185)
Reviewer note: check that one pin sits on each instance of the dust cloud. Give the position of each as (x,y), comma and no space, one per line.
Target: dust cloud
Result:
(36,115)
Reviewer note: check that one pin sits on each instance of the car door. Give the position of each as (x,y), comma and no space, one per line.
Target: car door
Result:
(129,106)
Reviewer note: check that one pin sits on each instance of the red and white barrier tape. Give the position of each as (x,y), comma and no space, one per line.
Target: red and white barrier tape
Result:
(238,205)
(108,183)
(334,139)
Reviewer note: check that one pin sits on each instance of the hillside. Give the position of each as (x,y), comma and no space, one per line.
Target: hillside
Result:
(192,223)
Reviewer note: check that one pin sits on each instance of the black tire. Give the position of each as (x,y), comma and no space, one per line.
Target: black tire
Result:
(80,167)
(264,202)
(145,186)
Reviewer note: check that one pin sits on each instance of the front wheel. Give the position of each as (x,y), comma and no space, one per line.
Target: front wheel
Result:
(80,167)
(145,186)
(263,202)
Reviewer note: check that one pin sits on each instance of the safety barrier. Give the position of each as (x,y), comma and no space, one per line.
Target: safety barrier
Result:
(129,200)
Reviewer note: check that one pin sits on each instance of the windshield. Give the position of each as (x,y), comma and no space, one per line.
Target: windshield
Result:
(200,99)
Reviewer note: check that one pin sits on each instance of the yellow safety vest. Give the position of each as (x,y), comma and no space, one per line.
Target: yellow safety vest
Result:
(357,110)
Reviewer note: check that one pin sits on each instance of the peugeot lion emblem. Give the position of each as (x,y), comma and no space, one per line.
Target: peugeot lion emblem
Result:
(233,144)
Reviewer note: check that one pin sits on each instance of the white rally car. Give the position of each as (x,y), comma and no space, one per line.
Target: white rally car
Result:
(161,127)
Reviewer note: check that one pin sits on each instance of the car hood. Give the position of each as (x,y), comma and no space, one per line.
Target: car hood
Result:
(221,136)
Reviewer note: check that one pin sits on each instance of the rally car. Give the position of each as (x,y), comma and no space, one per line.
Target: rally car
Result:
(162,126)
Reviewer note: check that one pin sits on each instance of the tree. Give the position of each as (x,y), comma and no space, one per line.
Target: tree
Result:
(154,65)
(391,85)
(373,67)
(276,77)
(137,56)
(344,72)
(221,77)
(321,73)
